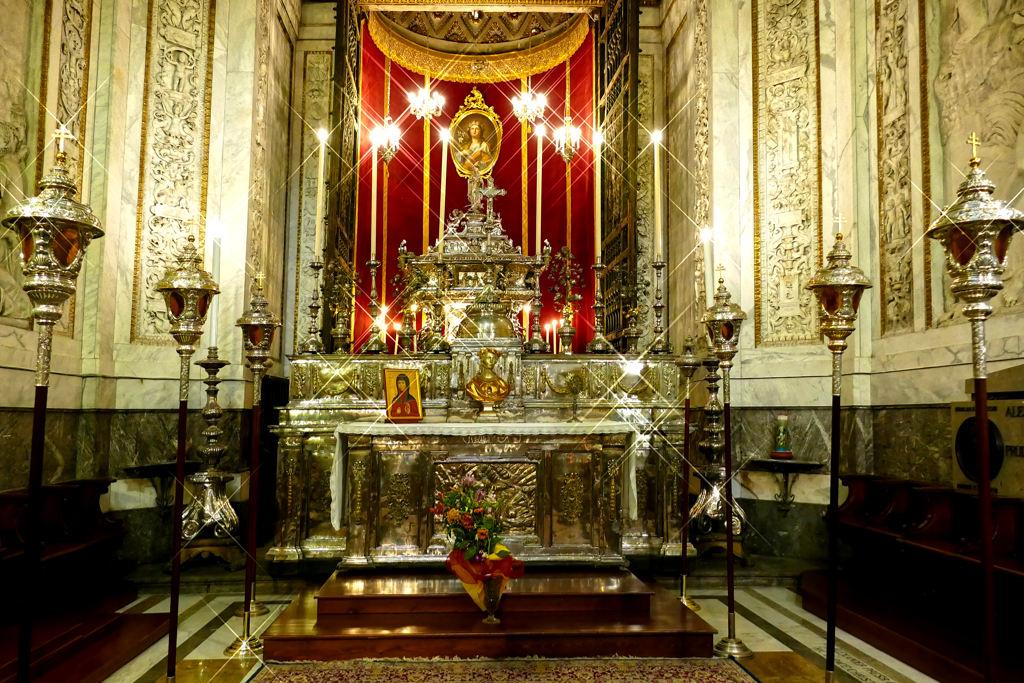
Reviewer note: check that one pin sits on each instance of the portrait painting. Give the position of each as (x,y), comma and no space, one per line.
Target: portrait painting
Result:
(475,137)
(402,390)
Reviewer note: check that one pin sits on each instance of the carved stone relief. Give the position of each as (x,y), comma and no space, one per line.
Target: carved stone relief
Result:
(172,177)
(787,174)
(72,87)
(258,165)
(702,144)
(14,53)
(315,114)
(980,89)
(895,190)
(645,194)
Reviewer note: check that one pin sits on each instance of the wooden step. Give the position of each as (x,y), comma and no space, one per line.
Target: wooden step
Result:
(437,593)
(667,630)
(133,634)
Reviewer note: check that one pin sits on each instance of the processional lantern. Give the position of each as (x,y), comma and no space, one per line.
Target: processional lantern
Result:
(258,325)
(975,232)
(838,287)
(722,321)
(55,231)
(187,290)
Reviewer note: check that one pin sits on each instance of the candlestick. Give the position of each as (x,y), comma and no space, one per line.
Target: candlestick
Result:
(656,139)
(322,134)
(445,136)
(374,344)
(599,344)
(313,343)
(540,169)
(659,344)
(373,204)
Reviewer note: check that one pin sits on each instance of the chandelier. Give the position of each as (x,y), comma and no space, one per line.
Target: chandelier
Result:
(424,104)
(567,139)
(529,107)
(386,138)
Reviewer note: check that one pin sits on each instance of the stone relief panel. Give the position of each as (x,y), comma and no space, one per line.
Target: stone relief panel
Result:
(787,175)
(315,114)
(14,185)
(175,143)
(702,145)
(645,195)
(895,189)
(979,89)
(72,87)
(258,187)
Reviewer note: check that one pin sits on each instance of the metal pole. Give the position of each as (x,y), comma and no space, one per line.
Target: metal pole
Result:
(34,541)
(179,503)
(833,522)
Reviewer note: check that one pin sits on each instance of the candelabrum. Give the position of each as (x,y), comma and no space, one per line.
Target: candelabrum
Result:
(722,323)
(54,231)
(567,140)
(598,344)
(210,507)
(838,288)
(188,291)
(688,364)
(387,138)
(258,326)
(975,232)
(659,344)
(314,344)
(529,107)
(425,105)
(374,344)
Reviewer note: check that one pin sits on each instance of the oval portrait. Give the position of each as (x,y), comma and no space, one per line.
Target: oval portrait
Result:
(475,137)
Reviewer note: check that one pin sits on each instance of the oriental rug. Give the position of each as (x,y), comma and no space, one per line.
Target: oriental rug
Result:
(507,671)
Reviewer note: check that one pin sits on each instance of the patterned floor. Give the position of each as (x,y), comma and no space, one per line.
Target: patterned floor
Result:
(789,643)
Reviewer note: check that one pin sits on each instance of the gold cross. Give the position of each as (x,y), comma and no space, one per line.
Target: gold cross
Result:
(60,135)
(721,270)
(974,141)
(259,278)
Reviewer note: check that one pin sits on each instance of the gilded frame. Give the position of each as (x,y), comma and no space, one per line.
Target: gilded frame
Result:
(408,407)
(474,108)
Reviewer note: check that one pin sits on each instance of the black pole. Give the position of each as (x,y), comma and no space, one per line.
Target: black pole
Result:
(833,543)
(985,528)
(685,532)
(34,540)
(179,503)
(250,540)
(730,577)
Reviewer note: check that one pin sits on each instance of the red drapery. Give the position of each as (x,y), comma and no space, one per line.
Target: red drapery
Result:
(402,207)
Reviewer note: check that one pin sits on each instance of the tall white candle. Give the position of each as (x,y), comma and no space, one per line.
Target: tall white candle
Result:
(322,134)
(445,135)
(373,204)
(656,138)
(598,139)
(214,231)
(540,169)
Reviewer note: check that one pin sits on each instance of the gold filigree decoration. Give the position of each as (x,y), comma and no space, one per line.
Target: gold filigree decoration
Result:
(358,475)
(641,492)
(398,499)
(571,496)
(478,68)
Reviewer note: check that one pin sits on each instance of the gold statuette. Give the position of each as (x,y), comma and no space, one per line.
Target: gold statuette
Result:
(486,386)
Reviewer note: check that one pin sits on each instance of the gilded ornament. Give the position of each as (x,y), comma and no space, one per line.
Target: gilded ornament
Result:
(398,500)
(571,495)
(487,386)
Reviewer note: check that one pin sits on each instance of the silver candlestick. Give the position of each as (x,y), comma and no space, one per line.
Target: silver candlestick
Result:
(314,344)
(598,344)
(374,344)
(536,343)
(659,344)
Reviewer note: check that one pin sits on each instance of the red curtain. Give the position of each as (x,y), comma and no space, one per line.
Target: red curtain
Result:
(405,195)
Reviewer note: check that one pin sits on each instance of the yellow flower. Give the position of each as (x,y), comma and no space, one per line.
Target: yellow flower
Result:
(454,516)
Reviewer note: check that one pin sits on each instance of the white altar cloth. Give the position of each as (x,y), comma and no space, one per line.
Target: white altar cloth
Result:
(380,428)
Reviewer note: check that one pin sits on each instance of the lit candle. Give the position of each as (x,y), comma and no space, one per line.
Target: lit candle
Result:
(547,333)
(322,134)
(540,169)
(445,136)
(598,139)
(656,140)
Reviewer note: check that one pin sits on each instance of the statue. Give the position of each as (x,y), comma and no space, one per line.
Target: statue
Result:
(476,195)
(486,386)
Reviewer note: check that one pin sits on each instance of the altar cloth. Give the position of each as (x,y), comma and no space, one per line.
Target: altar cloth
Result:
(381,428)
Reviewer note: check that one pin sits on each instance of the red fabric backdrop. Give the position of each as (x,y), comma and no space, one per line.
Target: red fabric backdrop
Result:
(405,175)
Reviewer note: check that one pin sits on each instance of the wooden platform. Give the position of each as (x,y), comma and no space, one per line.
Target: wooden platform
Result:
(571,614)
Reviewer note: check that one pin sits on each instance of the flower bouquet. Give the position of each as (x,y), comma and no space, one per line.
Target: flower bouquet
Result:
(478,559)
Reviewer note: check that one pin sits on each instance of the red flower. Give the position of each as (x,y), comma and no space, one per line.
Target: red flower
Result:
(467,522)
(481,534)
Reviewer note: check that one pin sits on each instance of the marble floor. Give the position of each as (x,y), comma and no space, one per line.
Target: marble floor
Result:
(788,642)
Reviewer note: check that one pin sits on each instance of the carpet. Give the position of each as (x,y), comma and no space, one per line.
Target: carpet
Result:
(508,671)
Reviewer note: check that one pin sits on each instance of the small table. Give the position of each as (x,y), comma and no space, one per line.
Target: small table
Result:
(787,468)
